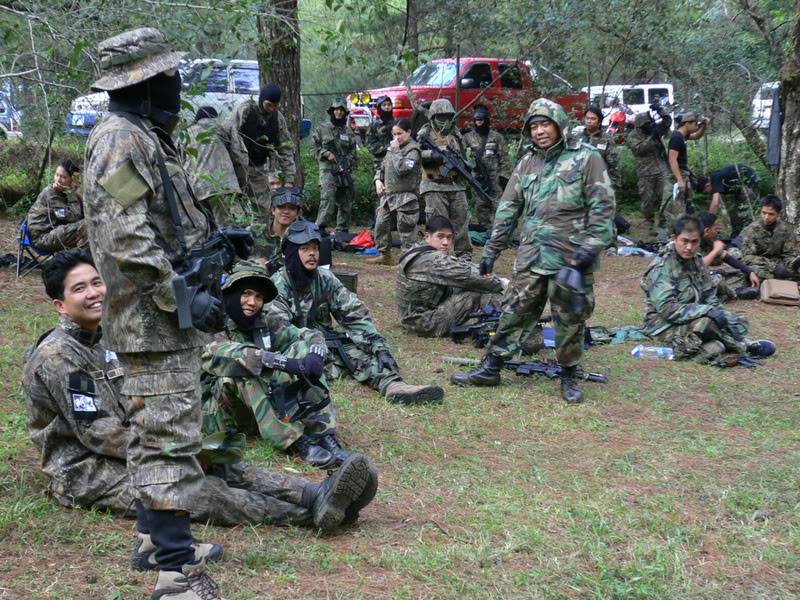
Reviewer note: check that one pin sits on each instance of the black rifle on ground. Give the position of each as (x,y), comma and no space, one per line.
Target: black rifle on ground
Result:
(335,341)
(486,320)
(549,369)
(450,162)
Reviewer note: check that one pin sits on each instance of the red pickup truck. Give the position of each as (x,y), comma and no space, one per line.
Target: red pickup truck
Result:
(503,85)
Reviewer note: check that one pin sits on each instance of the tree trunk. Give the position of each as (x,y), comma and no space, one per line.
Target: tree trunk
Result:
(278,56)
(412,29)
(788,184)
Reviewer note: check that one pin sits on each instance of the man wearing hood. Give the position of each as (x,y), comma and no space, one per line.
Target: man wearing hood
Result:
(261,147)
(379,134)
(563,194)
(652,172)
(313,298)
(284,400)
(445,194)
(335,149)
(492,167)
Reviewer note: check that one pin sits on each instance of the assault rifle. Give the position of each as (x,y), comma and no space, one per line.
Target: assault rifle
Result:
(343,167)
(549,369)
(484,327)
(335,341)
(450,162)
(203,269)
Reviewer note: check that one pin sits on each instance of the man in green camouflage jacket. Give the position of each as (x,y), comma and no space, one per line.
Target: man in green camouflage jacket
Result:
(562,194)
(769,246)
(240,391)
(652,172)
(681,304)
(287,207)
(55,220)
(335,149)
(313,298)
(602,141)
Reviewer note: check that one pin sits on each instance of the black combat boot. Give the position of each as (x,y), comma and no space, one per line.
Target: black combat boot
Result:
(331,444)
(339,491)
(308,451)
(570,390)
(488,374)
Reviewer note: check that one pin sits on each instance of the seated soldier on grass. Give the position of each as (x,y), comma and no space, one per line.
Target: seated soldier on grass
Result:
(742,283)
(55,221)
(286,208)
(77,420)
(769,246)
(681,304)
(312,297)
(268,382)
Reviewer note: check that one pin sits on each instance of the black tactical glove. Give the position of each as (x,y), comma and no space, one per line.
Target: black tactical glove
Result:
(386,361)
(241,239)
(207,311)
(487,265)
(311,365)
(723,321)
(584,259)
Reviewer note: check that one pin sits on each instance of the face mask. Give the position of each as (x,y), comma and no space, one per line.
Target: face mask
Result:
(441,123)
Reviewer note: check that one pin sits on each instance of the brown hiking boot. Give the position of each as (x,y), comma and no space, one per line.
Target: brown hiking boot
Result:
(384,258)
(401,392)
(192,583)
(144,553)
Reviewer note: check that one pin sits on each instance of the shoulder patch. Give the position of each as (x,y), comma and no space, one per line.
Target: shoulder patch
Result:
(125,184)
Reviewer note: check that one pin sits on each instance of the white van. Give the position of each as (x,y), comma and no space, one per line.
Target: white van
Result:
(762,104)
(637,98)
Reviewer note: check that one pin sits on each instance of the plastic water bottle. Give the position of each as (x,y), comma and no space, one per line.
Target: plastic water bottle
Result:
(652,352)
(633,251)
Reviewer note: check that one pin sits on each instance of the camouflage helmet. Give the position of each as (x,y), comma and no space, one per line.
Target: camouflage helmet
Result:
(641,118)
(247,274)
(338,104)
(301,232)
(688,117)
(543,107)
(441,106)
(132,57)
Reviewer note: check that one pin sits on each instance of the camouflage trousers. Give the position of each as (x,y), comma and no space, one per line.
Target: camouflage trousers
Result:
(703,340)
(335,202)
(651,191)
(672,208)
(396,211)
(247,404)
(738,212)
(164,414)
(453,205)
(485,209)
(765,268)
(363,367)
(727,281)
(236,495)
(523,304)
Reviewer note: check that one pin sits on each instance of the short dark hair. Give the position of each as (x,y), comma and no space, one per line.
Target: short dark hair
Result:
(701,183)
(56,269)
(596,110)
(402,123)
(687,224)
(70,167)
(707,219)
(437,223)
(205,112)
(773,202)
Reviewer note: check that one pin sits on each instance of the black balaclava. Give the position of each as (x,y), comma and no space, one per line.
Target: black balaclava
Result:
(300,276)
(483,129)
(339,122)
(232,299)
(157,98)
(271,93)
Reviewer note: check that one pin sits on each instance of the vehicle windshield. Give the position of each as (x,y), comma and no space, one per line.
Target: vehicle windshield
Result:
(439,74)
(245,81)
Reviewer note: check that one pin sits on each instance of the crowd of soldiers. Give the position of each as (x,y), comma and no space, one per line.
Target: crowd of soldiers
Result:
(181,332)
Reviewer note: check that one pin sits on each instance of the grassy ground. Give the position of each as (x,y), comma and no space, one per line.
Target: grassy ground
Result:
(672,481)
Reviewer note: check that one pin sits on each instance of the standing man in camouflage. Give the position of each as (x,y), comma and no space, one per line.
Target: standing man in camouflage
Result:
(563,194)
(142,219)
(492,167)
(652,172)
(246,387)
(335,149)
(445,194)
(681,304)
(602,141)
(313,298)
(261,147)
(769,245)
(210,169)
(55,221)
(379,134)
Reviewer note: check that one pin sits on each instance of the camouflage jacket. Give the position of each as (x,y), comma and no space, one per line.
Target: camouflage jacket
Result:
(565,200)
(648,151)
(428,277)
(338,141)
(676,291)
(132,235)
(280,155)
(237,353)
(778,243)
(603,142)
(55,219)
(316,308)
(76,413)
(492,152)
(401,168)
(432,180)
(267,245)
(379,136)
